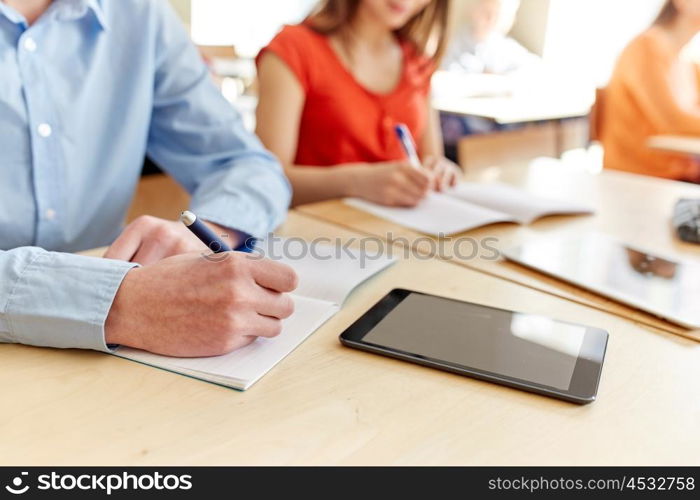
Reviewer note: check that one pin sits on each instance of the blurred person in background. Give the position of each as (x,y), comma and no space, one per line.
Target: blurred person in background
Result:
(655,90)
(333,88)
(481,46)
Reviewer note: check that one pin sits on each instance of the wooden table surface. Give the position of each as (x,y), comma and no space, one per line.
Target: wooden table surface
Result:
(327,404)
(631,208)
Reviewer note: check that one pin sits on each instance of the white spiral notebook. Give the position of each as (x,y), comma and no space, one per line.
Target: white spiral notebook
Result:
(326,277)
(471,205)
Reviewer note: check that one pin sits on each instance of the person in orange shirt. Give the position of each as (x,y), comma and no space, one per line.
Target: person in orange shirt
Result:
(655,90)
(333,88)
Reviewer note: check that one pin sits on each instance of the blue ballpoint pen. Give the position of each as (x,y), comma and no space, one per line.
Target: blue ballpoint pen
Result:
(406,140)
(202,231)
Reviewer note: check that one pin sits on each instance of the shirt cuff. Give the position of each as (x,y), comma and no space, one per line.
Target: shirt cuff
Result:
(62,300)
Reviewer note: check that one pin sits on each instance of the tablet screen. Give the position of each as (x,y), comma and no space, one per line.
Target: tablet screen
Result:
(522,346)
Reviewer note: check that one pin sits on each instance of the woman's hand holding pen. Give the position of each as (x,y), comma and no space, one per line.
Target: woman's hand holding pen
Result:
(391,183)
(400,183)
(445,173)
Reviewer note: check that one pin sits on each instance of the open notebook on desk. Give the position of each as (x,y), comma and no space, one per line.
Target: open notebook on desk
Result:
(326,278)
(471,205)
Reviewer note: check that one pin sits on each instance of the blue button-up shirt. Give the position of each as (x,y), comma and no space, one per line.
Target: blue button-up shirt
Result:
(85,93)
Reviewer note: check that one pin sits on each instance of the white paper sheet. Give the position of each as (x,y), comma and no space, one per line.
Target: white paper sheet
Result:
(326,271)
(241,368)
(521,205)
(437,214)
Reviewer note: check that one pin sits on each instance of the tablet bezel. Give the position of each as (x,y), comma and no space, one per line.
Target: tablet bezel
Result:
(584,379)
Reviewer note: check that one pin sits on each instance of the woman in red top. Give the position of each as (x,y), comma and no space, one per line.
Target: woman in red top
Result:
(333,88)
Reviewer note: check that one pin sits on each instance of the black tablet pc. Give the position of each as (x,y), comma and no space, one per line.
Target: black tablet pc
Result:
(526,351)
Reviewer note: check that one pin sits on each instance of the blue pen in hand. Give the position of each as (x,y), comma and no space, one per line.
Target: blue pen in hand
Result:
(202,231)
(406,140)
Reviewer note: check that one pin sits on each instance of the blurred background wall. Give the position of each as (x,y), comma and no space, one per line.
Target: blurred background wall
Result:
(581,37)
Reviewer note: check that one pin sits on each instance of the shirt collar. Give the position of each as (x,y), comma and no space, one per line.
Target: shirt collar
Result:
(63,10)
(11,14)
(75,9)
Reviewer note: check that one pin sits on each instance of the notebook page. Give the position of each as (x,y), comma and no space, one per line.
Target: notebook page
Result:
(436,214)
(520,204)
(245,366)
(326,271)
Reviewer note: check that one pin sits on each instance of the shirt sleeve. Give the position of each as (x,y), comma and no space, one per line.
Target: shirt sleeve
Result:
(198,138)
(55,299)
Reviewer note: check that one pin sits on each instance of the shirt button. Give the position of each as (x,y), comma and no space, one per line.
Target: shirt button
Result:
(29,44)
(44,129)
(50,214)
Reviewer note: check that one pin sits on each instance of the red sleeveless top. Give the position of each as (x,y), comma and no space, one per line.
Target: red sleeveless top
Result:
(342,121)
